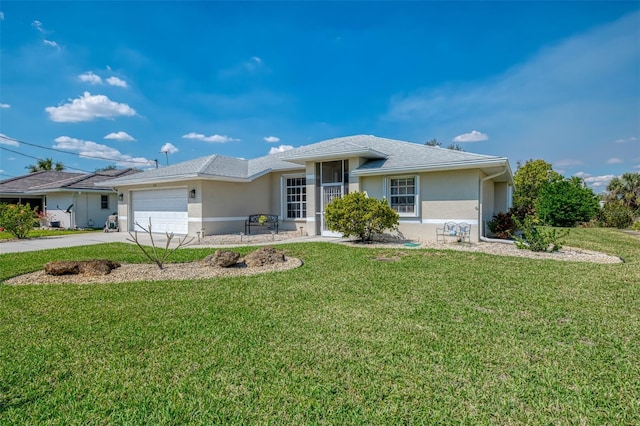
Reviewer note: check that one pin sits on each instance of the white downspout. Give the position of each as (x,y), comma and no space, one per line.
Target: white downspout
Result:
(480,201)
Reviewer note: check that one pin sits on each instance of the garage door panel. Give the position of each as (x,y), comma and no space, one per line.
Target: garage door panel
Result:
(166,208)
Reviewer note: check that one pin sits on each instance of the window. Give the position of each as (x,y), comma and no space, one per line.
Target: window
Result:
(296,188)
(403,195)
(104,202)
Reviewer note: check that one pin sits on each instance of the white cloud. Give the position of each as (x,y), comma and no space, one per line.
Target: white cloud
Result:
(38,26)
(96,151)
(631,139)
(474,136)
(251,66)
(90,77)
(212,138)
(120,136)
(168,147)
(569,162)
(88,108)
(6,140)
(272,139)
(51,43)
(115,81)
(1,16)
(281,148)
(598,182)
(614,160)
(5,106)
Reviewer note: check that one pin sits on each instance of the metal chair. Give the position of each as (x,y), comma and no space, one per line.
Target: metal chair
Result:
(450,229)
(464,230)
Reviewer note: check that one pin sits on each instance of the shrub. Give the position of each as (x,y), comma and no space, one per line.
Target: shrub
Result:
(615,214)
(502,225)
(18,219)
(355,214)
(566,202)
(539,238)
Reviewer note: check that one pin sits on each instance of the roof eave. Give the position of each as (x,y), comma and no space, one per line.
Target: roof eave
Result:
(183,178)
(499,162)
(370,154)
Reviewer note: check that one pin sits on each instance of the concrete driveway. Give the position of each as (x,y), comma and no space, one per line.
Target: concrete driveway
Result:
(70,240)
(73,240)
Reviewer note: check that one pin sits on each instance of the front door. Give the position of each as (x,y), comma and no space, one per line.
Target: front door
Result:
(329,193)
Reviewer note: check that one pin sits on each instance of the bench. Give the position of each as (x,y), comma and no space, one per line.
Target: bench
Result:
(269,220)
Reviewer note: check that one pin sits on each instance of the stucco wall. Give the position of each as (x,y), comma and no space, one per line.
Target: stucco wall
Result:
(443,196)
(87,211)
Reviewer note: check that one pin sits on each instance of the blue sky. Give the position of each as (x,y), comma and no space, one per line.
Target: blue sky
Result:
(128,81)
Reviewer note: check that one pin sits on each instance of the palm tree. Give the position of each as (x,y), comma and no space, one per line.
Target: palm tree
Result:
(626,189)
(46,164)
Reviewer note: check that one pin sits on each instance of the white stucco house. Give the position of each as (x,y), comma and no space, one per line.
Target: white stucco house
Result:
(72,200)
(427,185)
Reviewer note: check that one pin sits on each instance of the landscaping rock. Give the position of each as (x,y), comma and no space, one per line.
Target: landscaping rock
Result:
(264,256)
(222,258)
(80,267)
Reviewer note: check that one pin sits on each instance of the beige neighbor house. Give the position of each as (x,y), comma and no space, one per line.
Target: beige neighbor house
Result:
(427,185)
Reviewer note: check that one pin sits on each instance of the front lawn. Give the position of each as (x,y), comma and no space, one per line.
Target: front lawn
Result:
(47,232)
(429,337)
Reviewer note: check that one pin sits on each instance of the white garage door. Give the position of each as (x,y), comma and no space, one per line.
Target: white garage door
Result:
(167,209)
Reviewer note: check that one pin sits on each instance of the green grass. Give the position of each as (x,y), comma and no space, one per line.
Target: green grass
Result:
(37,233)
(437,337)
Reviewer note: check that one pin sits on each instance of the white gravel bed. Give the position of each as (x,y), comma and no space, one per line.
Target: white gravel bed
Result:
(129,272)
(569,254)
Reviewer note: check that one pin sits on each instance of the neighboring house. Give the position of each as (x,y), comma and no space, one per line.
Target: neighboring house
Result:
(72,199)
(215,194)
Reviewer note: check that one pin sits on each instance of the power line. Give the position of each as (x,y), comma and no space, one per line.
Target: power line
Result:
(74,153)
(37,158)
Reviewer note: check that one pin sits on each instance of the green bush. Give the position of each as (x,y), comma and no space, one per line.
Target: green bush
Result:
(616,215)
(502,225)
(355,214)
(539,238)
(18,219)
(566,202)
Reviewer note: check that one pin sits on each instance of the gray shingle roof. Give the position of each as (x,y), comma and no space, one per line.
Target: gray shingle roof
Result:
(50,180)
(384,155)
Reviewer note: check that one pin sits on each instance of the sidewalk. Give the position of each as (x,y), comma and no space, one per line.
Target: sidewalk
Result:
(220,241)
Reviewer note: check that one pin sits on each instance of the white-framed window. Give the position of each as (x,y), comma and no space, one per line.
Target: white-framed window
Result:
(104,202)
(403,195)
(296,197)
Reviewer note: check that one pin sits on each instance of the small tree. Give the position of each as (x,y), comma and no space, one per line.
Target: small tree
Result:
(626,190)
(18,219)
(157,256)
(615,214)
(566,202)
(455,147)
(529,179)
(357,215)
